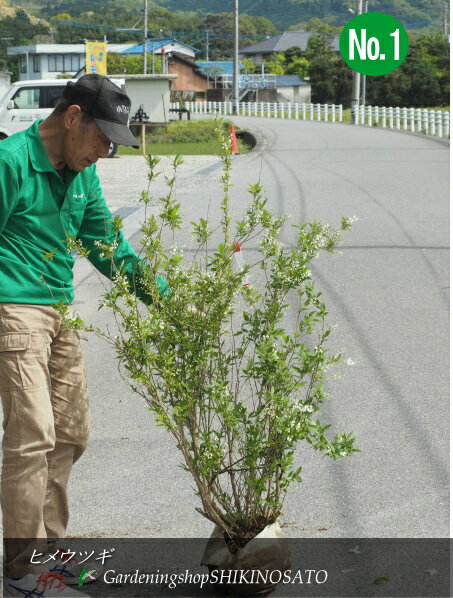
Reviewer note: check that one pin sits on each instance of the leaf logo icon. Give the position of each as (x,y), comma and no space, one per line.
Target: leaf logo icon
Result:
(84,574)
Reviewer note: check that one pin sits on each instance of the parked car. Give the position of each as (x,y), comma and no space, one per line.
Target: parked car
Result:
(25,101)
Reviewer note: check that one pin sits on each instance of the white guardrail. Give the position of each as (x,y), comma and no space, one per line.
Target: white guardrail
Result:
(416,120)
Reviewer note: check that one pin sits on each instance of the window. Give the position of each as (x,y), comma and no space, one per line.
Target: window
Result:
(63,63)
(36,63)
(56,63)
(75,62)
(67,63)
(23,63)
(27,97)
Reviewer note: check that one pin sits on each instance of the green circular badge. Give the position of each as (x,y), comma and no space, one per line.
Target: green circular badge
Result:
(374,44)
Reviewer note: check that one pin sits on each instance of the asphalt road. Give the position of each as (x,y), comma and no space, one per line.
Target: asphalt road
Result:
(388,295)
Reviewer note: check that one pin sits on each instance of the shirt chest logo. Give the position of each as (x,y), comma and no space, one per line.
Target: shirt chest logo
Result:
(79,196)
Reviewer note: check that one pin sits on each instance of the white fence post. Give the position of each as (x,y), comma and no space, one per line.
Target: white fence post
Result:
(397,118)
(432,122)
(312,116)
(439,123)
(418,117)
(297,111)
(425,121)
(390,112)
(404,116)
(362,114)
(282,110)
(304,111)
(446,123)
(412,119)
(318,111)
(340,115)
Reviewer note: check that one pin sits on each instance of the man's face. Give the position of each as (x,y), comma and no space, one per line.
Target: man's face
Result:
(84,144)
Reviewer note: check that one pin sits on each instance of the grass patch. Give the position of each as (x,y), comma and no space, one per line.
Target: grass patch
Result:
(188,138)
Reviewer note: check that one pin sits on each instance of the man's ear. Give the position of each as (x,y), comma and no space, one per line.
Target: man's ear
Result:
(72,116)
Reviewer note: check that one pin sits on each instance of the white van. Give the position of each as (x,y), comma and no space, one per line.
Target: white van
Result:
(26,101)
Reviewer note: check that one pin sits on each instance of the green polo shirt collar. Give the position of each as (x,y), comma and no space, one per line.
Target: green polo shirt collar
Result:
(38,156)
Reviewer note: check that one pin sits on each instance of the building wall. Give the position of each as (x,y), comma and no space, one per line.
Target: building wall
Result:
(187,79)
(43,72)
(299,94)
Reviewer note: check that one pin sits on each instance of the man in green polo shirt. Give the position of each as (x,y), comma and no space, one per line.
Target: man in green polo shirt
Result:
(50,191)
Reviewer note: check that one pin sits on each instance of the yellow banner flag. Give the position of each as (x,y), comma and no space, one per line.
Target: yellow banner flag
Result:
(96,58)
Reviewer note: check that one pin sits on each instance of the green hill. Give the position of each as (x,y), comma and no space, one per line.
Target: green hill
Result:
(285,13)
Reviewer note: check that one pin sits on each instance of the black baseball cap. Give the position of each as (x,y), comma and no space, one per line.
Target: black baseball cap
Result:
(106,103)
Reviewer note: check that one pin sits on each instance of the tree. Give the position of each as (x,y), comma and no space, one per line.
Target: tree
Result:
(118,64)
(276,64)
(322,78)
(318,46)
(318,26)
(422,79)
(299,66)
(248,67)
(292,53)
(251,29)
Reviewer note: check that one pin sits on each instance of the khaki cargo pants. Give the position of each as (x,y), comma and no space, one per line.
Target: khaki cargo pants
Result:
(45,423)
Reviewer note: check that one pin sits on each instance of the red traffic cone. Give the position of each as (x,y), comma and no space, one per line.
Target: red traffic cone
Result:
(234,141)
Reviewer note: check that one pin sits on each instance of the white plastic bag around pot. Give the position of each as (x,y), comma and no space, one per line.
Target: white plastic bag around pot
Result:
(266,552)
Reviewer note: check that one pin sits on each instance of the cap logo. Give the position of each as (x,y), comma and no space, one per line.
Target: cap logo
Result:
(123,109)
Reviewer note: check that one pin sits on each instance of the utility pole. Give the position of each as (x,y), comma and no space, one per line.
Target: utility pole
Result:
(207,44)
(356,80)
(364,76)
(446,20)
(236,58)
(145,39)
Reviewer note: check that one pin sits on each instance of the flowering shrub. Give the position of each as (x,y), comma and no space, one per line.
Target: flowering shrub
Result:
(219,366)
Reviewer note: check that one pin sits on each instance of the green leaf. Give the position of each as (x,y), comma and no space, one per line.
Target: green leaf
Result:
(381,580)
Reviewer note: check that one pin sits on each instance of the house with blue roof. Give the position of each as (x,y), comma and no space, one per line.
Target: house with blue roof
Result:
(260,87)
(163,45)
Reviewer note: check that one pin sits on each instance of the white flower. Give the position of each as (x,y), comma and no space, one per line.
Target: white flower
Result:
(349,361)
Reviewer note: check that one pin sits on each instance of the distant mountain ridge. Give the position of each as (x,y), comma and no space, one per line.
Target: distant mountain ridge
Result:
(283,13)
